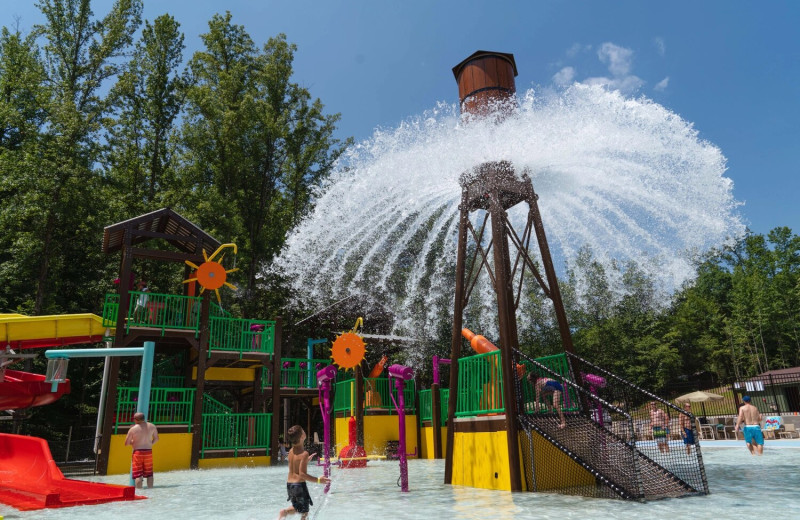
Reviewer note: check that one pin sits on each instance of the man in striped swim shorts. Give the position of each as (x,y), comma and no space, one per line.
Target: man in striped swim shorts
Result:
(142,436)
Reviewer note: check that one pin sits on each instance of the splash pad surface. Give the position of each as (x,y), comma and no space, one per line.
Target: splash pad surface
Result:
(742,486)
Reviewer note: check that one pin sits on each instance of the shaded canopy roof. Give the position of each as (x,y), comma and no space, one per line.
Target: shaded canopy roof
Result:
(163,223)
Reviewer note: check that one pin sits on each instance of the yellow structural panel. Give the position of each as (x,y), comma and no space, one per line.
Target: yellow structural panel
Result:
(378,430)
(234,462)
(480,460)
(554,469)
(227,374)
(173,451)
(16,327)
(426,451)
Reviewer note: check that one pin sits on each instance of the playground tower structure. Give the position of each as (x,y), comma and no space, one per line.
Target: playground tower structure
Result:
(486,89)
(203,346)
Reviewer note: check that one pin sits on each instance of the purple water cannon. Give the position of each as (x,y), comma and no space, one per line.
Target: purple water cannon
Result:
(401,374)
(325,379)
(596,382)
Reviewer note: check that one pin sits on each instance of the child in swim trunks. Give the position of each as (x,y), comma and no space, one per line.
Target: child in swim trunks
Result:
(545,386)
(296,482)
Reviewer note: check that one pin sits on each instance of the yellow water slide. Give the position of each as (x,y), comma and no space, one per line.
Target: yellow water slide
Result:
(18,331)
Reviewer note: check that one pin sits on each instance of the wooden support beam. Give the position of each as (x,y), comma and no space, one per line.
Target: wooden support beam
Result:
(165,256)
(200,385)
(276,391)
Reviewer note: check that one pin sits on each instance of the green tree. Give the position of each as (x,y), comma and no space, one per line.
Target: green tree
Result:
(62,212)
(148,98)
(255,145)
(23,101)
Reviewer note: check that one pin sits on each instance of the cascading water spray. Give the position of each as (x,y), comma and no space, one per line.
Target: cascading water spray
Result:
(627,178)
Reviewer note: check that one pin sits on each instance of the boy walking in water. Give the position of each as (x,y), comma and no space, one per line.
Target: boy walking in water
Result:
(750,416)
(296,481)
(142,436)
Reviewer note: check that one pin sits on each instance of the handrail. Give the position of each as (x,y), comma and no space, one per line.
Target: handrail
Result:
(241,335)
(211,405)
(236,431)
(167,406)
(296,373)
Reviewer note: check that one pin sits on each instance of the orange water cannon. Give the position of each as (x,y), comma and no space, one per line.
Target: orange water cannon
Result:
(481,345)
(378,368)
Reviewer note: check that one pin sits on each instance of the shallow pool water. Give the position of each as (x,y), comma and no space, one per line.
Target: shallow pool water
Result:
(742,486)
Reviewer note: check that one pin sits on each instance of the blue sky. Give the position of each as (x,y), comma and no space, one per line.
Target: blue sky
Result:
(730,67)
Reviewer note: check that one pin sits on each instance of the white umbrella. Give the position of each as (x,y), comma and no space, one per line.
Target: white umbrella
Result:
(699,397)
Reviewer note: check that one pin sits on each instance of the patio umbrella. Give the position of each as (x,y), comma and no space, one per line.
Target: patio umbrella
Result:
(699,397)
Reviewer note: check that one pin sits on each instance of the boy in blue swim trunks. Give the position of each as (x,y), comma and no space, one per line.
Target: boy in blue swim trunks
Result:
(751,418)
(686,426)
(544,387)
(296,482)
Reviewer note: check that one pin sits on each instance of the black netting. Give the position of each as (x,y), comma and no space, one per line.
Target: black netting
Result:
(618,440)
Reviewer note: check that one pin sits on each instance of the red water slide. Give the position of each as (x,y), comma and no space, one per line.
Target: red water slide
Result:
(23,390)
(30,479)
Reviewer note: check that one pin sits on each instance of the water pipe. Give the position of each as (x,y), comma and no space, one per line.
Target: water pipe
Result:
(147,353)
(401,374)
(436,362)
(310,352)
(145,378)
(325,378)
(595,382)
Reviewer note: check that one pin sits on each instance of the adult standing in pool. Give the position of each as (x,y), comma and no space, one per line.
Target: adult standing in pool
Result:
(545,386)
(659,422)
(142,436)
(750,417)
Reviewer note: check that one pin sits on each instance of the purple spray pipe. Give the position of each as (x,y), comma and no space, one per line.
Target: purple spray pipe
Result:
(436,362)
(325,379)
(401,374)
(595,382)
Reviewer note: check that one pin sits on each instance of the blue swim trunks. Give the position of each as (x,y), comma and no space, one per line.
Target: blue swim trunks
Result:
(689,439)
(552,386)
(753,435)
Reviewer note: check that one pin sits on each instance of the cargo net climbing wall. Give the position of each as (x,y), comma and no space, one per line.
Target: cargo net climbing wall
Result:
(594,434)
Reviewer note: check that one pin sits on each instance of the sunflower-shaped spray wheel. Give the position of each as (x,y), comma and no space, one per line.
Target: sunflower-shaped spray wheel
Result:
(349,348)
(211,274)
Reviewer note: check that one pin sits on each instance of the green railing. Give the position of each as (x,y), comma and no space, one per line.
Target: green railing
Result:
(241,335)
(215,311)
(377,395)
(296,373)
(111,310)
(557,363)
(480,385)
(212,406)
(163,311)
(167,406)
(341,395)
(236,431)
(426,404)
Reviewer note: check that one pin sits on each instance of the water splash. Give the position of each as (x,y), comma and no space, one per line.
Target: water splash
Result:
(626,177)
